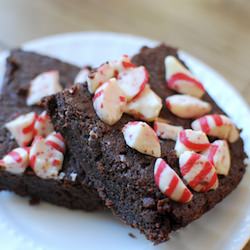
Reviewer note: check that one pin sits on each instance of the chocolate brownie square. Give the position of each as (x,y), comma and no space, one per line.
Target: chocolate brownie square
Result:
(124,177)
(71,192)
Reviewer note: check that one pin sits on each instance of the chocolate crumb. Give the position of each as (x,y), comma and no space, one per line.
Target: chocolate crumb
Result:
(132,235)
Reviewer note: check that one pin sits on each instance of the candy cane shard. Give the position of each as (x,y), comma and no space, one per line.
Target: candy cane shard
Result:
(45,160)
(181,80)
(56,141)
(190,140)
(109,102)
(82,75)
(43,125)
(218,126)
(141,137)
(146,106)
(106,71)
(185,106)
(22,128)
(198,172)
(165,130)
(218,154)
(16,161)
(133,81)
(170,183)
(43,85)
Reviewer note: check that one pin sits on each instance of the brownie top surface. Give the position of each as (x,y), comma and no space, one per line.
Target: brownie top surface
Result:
(125,177)
(21,68)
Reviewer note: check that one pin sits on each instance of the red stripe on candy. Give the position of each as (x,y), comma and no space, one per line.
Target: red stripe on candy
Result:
(29,128)
(172,185)
(16,156)
(212,151)
(183,77)
(191,145)
(186,196)
(204,124)
(59,136)
(98,94)
(159,171)
(122,98)
(218,120)
(55,146)
(127,65)
(189,164)
(32,161)
(56,162)
(211,182)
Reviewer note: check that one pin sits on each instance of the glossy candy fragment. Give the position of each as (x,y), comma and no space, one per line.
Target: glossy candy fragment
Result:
(22,128)
(141,137)
(43,85)
(56,141)
(198,172)
(181,80)
(218,126)
(170,183)
(43,125)
(109,102)
(190,140)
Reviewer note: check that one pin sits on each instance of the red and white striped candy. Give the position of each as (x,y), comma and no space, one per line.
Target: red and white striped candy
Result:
(170,183)
(43,85)
(198,172)
(56,141)
(133,81)
(185,106)
(166,131)
(16,161)
(109,102)
(219,155)
(82,76)
(146,106)
(141,137)
(106,71)
(45,160)
(181,80)
(43,125)
(190,140)
(217,125)
(22,128)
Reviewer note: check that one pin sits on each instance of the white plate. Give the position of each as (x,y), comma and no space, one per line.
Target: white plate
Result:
(48,227)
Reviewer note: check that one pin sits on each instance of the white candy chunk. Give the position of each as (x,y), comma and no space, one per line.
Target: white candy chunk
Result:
(109,102)
(16,161)
(43,125)
(218,126)
(198,172)
(170,183)
(133,81)
(185,106)
(55,140)
(141,137)
(43,85)
(165,130)
(82,76)
(181,80)
(219,155)
(190,140)
(22,128)
(145,106)
(45,160)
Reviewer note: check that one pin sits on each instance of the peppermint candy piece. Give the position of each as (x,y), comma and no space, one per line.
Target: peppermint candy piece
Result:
(16,161)
(133,81)
(165,130)
(198,172)
(43,85)
(190,140)
(146,106)
(219,155)
(45,160)
(217,125)
(181,80)
(56,141)
(109,102)
(43,125)
(141,137)
(82,76)
(107,71)
(22,128)
(170,183)
(185,106)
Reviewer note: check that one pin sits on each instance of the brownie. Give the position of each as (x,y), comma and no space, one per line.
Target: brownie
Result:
(124,177)
(21,68)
